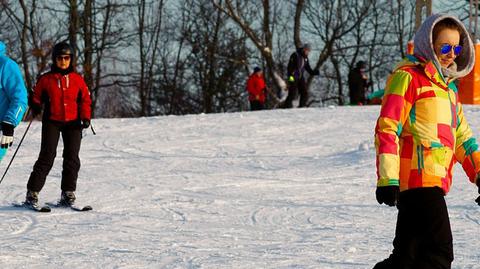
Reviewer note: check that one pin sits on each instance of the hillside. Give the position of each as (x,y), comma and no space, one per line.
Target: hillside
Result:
(274,189)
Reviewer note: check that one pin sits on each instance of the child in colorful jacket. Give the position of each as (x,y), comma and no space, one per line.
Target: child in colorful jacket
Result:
(420,134)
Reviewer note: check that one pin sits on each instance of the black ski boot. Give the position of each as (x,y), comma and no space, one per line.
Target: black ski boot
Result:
(67,198)
(31,198)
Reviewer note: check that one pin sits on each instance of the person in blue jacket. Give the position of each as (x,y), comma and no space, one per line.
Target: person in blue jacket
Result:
(13,99)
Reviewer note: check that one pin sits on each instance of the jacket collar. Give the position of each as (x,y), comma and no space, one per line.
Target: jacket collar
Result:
(63,72)
(430,70)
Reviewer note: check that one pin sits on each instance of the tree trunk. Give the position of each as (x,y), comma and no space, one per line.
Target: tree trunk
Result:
(296,28)
(156,39)
(420,4)
(24,40)
(212,68)
(88,42)
(336,66)
(73,27)
(141,30)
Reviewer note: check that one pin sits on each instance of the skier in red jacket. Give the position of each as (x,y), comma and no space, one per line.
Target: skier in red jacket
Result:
(256,89)
(66,101)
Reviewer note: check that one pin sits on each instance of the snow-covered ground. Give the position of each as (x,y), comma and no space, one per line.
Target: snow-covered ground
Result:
(274,189)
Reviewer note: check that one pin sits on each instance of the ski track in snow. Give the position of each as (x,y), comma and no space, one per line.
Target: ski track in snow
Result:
(272,189)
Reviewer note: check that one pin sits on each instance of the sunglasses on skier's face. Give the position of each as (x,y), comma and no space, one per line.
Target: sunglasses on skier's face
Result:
(446,48)
(63,58)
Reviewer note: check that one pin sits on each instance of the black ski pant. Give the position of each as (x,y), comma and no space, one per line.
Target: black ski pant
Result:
(72,137)
(294,88)
(423,238)
(256,105)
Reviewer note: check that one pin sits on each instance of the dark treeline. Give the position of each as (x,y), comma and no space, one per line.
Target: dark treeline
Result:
(144,58)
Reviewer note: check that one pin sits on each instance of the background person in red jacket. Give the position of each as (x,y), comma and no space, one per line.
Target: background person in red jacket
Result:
(66,101)
(256,88)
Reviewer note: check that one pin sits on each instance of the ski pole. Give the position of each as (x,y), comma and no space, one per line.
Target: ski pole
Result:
(14,154)
(93,130)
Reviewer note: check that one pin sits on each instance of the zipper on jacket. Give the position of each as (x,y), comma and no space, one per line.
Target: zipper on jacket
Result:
(473,162)
(67,81)
(420,163)
(300,64)
(453,114)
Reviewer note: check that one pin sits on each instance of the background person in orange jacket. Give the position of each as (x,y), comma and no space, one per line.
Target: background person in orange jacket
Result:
(67,111)
(256,88)
(420,134)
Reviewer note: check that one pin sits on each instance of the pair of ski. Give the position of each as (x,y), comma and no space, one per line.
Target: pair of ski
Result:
(48,207)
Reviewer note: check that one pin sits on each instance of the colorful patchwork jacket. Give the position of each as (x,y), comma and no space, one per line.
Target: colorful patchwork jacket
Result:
(421,131)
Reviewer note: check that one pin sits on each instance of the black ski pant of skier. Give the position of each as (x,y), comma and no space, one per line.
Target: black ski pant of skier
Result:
(256,105)
(294,88)
(423,238)
(72,136)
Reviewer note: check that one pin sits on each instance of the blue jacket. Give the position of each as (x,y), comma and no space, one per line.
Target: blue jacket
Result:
(13,94)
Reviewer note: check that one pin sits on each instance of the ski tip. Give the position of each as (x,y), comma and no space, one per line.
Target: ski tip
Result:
(43,209)
(72,207)
(85,208)
(48,207)
(18,205)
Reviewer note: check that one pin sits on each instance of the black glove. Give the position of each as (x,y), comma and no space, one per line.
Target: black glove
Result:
(85,123)
(36,109)
(387,195)
(7,135)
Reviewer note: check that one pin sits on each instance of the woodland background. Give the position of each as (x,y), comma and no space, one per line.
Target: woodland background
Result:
(163,57)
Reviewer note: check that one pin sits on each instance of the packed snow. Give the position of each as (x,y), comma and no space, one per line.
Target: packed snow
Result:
(272,189)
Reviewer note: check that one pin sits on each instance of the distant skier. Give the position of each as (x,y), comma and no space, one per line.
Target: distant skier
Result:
(297,65)
(66,101)
(256,88)
(13,99)
(358,84)
(420,134)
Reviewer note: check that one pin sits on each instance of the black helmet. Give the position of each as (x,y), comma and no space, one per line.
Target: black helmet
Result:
(361,64)
(62,48)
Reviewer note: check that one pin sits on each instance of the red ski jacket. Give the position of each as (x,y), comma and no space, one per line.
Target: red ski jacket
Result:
(67,96)
(256,88)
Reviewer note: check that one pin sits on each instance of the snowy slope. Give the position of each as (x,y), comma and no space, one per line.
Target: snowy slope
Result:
(274,189)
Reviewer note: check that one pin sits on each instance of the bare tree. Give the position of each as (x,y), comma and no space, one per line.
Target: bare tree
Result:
(22,30)
(174,89)
(218,58)
(262,38)
(148,38)
(73,26)
(88,43)
(150,57)
(298,19)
